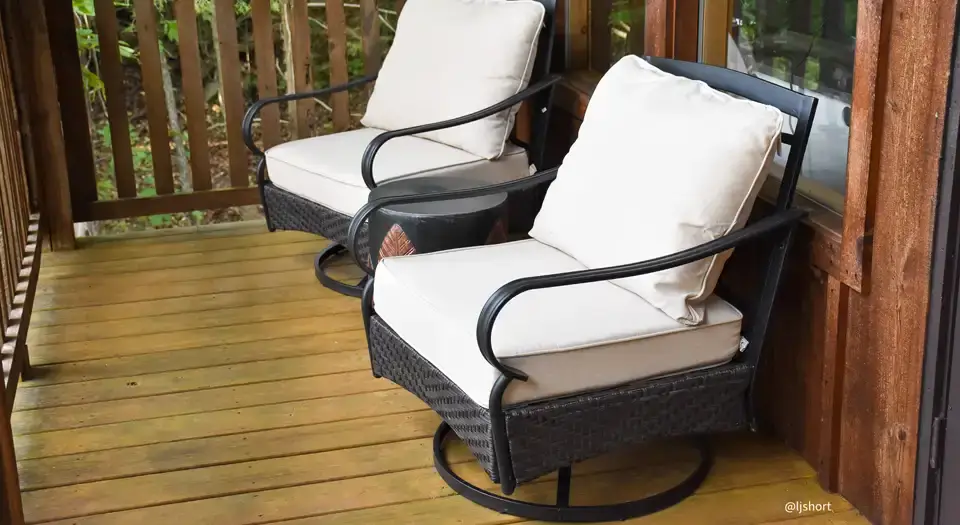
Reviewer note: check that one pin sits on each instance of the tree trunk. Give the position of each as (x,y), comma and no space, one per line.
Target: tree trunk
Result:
(173,115)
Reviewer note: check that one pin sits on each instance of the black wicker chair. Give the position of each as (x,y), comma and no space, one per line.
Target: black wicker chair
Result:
(288,210)
(516,443)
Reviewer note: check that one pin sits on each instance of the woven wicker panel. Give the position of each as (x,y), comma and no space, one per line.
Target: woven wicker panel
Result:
(546,435)
(393,359)
(288,211)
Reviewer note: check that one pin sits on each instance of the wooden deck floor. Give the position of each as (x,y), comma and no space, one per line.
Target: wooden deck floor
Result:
(204,377)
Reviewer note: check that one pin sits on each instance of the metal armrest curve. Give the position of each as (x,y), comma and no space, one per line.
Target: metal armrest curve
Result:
(779,222)
(254,110)
(366,163)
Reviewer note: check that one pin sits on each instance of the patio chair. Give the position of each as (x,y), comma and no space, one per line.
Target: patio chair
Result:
(444,103)
(602,330)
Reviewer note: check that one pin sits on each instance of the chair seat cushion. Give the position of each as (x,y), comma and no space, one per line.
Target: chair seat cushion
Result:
(326,169)
(567,339)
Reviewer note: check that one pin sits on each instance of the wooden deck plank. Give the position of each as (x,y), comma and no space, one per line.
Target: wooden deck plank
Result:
(423,484)
(174,305)
(319,386)
(192,426)
(145,344)
(183,260)
(137,365)
(133,251)
(224,480)
(182,392)
(189,273)
(102,295)
(206,377)
(107,330)
(220,450)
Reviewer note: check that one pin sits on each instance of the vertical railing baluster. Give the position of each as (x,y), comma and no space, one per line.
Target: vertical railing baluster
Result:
(191,71)
(339,74)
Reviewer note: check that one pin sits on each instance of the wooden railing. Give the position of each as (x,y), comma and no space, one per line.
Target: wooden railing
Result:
(256,48)
(19,269)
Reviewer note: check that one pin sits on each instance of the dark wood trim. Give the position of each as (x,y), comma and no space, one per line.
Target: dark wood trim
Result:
(16,364)
(577,34)
(73,101)
(151,70)
(888,327)
(870,74)
(831,385)
(176,203)
(686,30)
(45,123)
(942,320)
(600,36)
(658,28)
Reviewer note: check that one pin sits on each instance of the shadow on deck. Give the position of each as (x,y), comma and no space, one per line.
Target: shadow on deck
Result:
(204,377)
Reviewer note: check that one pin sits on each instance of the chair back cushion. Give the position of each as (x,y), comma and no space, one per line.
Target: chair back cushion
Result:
(450,58)
(662,163)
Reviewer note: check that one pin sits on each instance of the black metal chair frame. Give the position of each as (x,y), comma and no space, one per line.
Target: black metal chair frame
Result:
(518,443)
(287,211)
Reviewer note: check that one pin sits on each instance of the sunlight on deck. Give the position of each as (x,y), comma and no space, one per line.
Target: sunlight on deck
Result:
(205,377)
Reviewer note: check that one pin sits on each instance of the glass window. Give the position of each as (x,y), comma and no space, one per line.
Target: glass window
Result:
(807,46)
(616,30)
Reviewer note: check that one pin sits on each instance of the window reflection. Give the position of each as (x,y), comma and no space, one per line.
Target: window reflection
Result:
(807,46)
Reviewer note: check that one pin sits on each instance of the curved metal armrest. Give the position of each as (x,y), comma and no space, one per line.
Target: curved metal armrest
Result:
(779,222)
(361,217)
(260,104)
(366,164)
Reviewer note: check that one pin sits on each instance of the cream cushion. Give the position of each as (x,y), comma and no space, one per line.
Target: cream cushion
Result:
(661,164)
(326,169)
(450,58)
(568,339)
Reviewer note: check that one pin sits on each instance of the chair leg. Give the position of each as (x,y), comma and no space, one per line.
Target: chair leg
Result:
(320,266)
(562,511)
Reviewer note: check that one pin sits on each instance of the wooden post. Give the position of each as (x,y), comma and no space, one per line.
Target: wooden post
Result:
(686,30)
(73,104)
(45,122)
(658,28)
(578,35)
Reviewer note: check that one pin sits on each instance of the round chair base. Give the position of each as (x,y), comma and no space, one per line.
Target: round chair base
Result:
(320,264)
(562,511)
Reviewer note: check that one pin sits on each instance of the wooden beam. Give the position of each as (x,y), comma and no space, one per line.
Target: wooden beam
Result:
(600,37)
(686,30)
(658,28)
(231,88)
(266,70)
(831,385)
(45,120)
(111,72)
(194,94)
(886,338)
(578,35)
(337,42)
(73,101)
(152,72)
(870,78)
(299,74)
(177,203)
